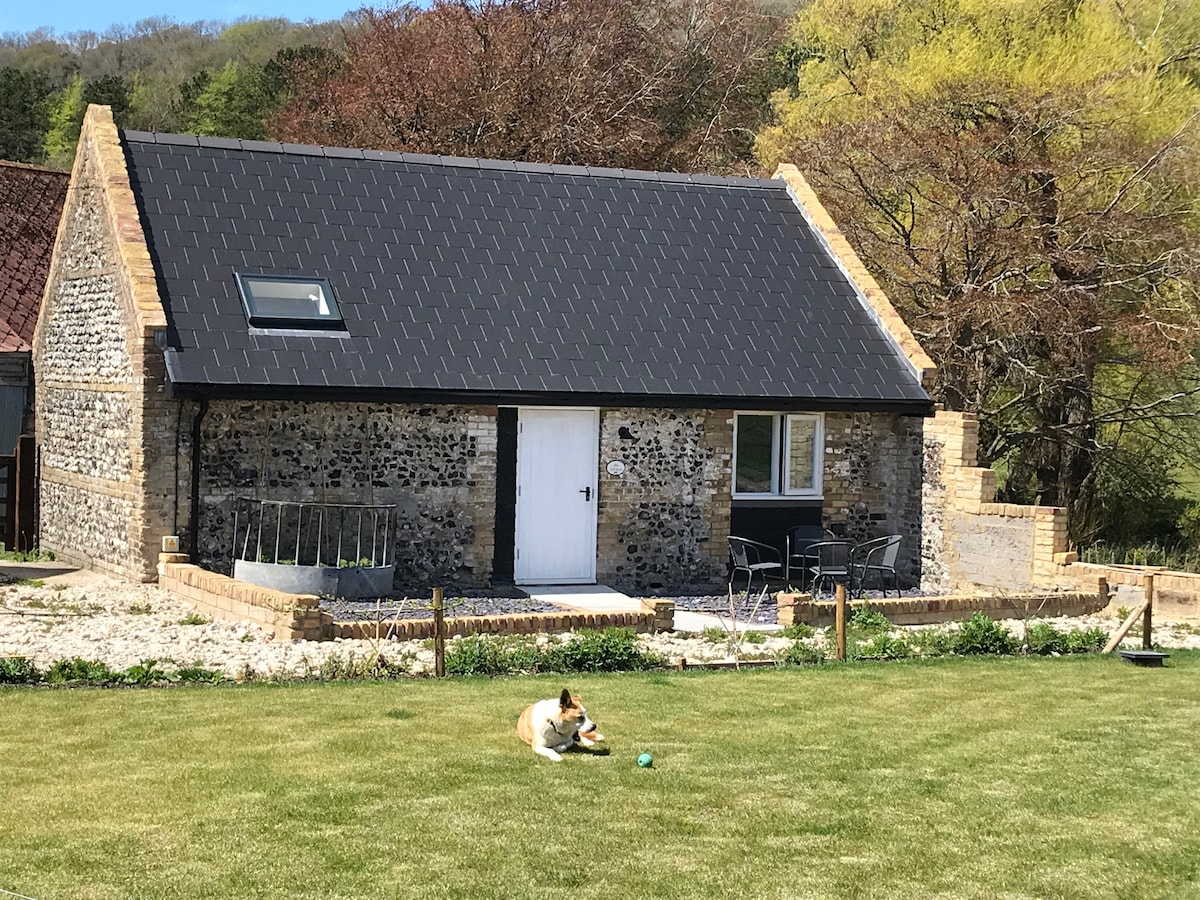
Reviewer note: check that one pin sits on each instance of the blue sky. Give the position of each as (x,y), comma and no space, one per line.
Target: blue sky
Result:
(65,16)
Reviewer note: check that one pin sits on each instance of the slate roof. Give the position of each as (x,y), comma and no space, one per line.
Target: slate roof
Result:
(503,282)
(31,202)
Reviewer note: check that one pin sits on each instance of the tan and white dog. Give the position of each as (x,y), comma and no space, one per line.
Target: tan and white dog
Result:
(552,726)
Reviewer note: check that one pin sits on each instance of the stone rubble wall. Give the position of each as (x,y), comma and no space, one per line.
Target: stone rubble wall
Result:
(872,482)
(104,502)
(435,463)
(664,520)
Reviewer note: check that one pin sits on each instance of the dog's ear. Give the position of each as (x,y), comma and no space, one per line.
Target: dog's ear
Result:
(565,700)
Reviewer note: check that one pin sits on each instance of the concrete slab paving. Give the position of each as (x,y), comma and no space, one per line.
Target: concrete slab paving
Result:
(601,598)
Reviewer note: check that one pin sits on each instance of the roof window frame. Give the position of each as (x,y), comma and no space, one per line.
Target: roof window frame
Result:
(274,318)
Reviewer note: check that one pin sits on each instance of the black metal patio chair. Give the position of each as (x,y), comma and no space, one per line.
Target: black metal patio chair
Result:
(832,565)
(876,558)
(757,560)
(796,557)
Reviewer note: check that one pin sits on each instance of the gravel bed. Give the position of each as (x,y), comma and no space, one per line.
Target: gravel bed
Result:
(124,624)
(390,608)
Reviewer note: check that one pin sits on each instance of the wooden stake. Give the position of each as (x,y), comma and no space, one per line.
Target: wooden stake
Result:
(1148,616)
(439,634)
(840,621)
(1125,626)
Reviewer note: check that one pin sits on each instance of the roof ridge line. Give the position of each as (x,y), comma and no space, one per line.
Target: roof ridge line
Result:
(462,162)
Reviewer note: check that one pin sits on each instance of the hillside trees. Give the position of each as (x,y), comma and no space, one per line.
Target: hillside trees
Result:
(669,84)
(204,77)
(1023,177)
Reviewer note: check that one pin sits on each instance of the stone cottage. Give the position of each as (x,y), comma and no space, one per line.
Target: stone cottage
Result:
(554,374)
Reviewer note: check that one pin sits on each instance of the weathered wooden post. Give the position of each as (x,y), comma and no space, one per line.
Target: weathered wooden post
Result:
(839,622)
(439,634)
(1148,615)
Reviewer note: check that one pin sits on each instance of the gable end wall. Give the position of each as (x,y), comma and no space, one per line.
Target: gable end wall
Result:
(105,432)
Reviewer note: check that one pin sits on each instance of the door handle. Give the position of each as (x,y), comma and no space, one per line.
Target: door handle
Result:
(587,493)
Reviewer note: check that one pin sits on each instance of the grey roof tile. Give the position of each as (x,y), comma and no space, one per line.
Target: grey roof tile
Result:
(504,277)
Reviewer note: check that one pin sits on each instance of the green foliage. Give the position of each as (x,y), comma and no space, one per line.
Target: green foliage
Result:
(607,650)
(715,634)
(65,117)
(144,673)
(197,674)
(982,635)
(1176,557)
(26,556)
(139,609)
(884,646)
(194,618)
(18,670)
(76,670)
(798,631)
(1045,640)
(868,621)
(754,637)
(802,654)
(24,119)
(485,654)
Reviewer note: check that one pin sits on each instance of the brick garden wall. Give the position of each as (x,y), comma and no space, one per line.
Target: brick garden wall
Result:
(972,543)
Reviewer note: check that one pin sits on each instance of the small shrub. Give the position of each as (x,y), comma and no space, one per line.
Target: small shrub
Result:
(144,673)
(197,674)
(19,670)
(31,582)
(798,631)
(868,621)
(801,654)
(1086,640)
(933,642)
(884,646)
(1044,639)
(608,650)
(486,654)
(75,670)
(37,603)
(981,635)
(715,634)
(139,609)
(754,637)
(194,619)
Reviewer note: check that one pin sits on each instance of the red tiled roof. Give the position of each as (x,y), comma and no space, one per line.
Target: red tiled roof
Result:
(31,201)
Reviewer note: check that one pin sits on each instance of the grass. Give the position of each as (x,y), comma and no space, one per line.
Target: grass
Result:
(1071,777)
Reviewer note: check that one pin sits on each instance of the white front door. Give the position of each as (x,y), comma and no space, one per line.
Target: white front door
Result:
(558,453)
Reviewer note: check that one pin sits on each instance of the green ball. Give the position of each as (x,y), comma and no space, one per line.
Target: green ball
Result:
(645,760)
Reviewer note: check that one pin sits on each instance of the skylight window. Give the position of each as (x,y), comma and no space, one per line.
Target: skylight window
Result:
(280,301)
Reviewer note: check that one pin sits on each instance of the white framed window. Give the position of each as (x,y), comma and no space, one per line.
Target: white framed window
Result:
(285,301)
(778,454)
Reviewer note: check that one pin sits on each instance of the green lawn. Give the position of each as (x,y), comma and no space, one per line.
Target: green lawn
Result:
(1072,777)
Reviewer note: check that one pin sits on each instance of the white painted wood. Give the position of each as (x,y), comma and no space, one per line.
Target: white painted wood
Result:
(557,472)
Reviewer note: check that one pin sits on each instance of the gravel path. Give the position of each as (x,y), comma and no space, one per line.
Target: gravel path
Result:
(122,624)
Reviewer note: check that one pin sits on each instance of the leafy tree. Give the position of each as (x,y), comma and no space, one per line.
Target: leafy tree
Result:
(111,91)
(23,114)
(1022,176)
(66,118)
(641,83)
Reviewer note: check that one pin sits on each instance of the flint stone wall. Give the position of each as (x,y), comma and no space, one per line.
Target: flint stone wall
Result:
(84,397)
(874,465)
(435,463)
(664,520)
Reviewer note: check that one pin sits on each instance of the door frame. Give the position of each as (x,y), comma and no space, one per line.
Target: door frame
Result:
(593,521)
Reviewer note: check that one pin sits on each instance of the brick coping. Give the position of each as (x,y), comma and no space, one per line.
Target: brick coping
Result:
(802,608)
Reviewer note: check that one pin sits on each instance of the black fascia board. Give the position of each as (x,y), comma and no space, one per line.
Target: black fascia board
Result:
(920,408)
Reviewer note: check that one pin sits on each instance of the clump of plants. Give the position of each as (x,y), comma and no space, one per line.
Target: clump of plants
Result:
(589,650)
(1044,639)
(982,635)
(79,672)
